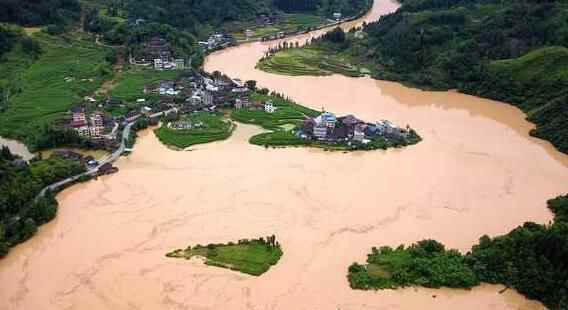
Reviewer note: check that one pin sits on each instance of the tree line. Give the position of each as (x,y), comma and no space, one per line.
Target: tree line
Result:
(39,12)
(533,259)
(20,183)
(459,44)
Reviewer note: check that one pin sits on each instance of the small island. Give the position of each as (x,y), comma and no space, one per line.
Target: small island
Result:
(196,128)
(253,257)
(295,125)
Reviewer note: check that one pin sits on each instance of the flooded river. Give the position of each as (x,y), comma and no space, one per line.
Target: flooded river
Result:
(477,171)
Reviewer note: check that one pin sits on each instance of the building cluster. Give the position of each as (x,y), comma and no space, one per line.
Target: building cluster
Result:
(91,125)
(245,103)
(216,41)
(158,53)
(86,160)
(328,127)
(185,125)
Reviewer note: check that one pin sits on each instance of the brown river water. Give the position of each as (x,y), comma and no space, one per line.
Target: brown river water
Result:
(476,172)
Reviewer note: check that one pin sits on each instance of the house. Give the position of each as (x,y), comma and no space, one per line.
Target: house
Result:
(107,169)
(326,119)
(269,107)
(320,132)
(337,15)
(146,110)
(242,104)
(249,33)
(340,134)
(179,64)
(158,64)
(207,98)
(358,135)
(350,121)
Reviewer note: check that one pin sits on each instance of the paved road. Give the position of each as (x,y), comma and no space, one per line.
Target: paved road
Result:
(92,171)
(110,159)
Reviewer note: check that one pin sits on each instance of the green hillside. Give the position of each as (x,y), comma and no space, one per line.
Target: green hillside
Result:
(67,69)
(511,51)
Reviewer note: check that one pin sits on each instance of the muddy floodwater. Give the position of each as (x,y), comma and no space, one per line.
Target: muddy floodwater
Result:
(17,148)
(476,172)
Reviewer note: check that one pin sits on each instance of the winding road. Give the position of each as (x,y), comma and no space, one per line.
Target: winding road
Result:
(110,159)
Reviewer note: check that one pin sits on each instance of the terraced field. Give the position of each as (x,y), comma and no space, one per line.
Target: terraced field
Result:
(309,61)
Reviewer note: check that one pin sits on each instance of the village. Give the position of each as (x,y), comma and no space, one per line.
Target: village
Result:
(175,101)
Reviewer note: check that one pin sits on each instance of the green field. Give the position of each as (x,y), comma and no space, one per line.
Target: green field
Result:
(252,257)
(287,113)
(130,86)
(216,128)
(278,138)
(287,23)
(45,93)
(281,123)
(311,60)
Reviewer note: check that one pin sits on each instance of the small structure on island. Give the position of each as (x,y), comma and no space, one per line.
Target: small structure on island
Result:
(249,33)
(320,131)
(326,119)
(242,104)
(269,107)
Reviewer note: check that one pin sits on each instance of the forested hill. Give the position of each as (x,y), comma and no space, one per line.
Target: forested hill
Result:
(514,51)
(323,7)
(39,12)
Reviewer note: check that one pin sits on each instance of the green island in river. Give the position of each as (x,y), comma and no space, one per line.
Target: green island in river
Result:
(253,257)
(195,128)
(291,124)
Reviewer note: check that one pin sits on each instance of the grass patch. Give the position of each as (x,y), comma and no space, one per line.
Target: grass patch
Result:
(287,114)
(68,69)
(215,128)
(252,257)
(130,86)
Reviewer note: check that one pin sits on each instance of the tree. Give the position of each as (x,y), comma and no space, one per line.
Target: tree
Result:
(251,84)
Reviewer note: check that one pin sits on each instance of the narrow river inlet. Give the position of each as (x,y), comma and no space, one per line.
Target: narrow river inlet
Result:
(477,172)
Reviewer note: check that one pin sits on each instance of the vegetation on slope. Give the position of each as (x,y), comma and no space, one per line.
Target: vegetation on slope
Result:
(532,258)
(39,12)
(287,113)
(287,116)
(130,85)
(285,23)
(324,7)
(214,128)
(510,51)
(324,56)
(67,69)
(252,257)
(20,213)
